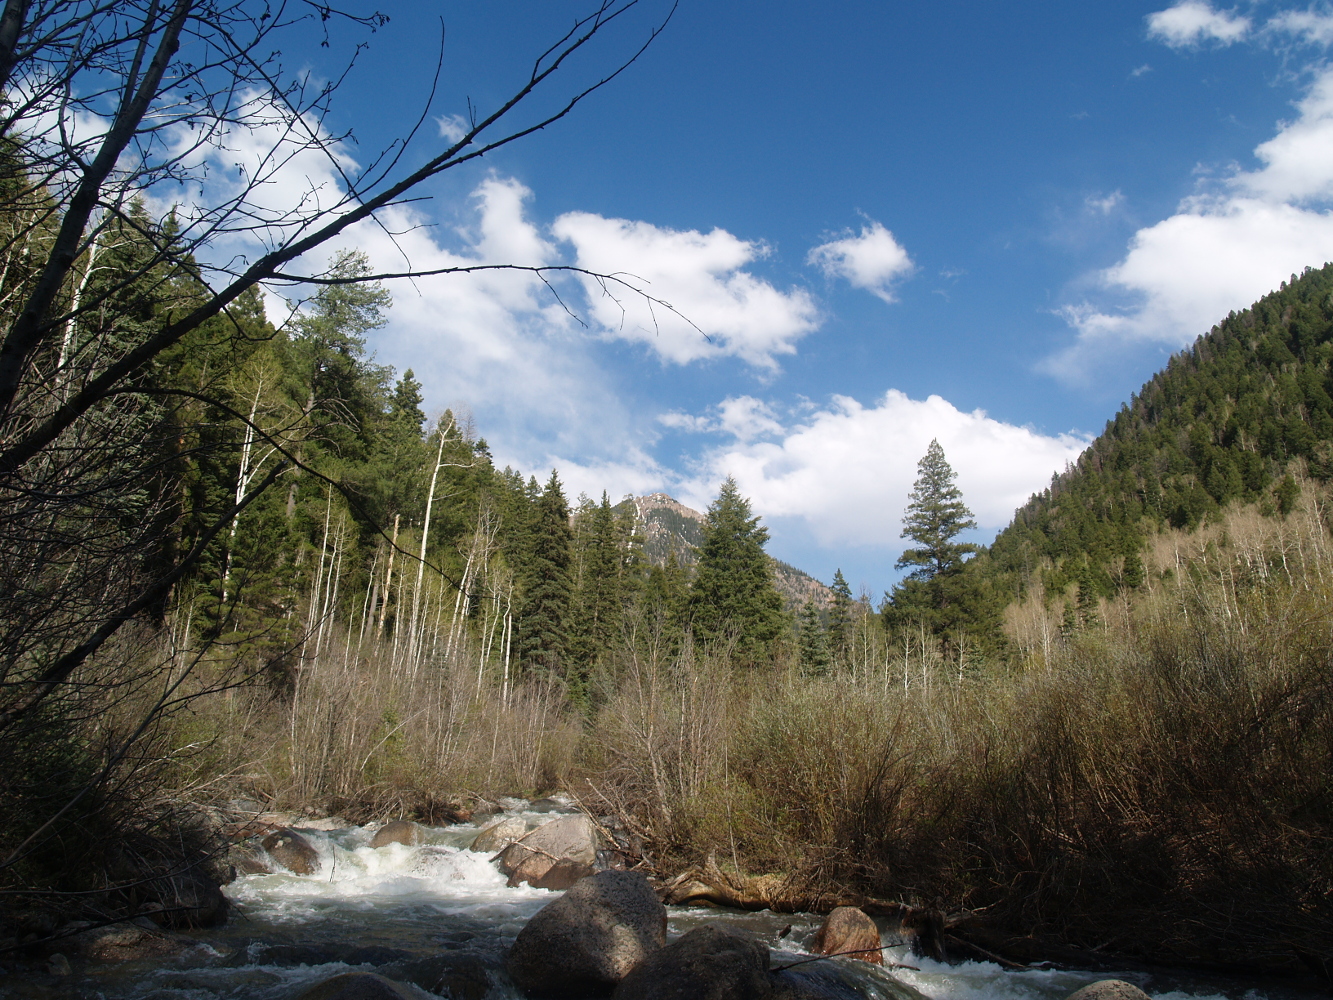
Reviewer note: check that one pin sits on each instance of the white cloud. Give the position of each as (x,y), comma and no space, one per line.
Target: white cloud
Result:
(1139,71)
(1305,25)
(872,260)
(1194,21)
(846,469)
(717,308)
(1106,204)
(452,127)
(1226,246)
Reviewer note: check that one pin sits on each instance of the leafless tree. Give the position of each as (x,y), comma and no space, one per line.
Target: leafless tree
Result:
(107,104)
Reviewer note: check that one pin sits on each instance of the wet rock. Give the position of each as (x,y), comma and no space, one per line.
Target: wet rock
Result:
(247,859)
(572,838)
(847,930)
(124,943)
(324,824)
(563,874)
(357,986)
(1109,989)
(591,937)
(400,831)
(709,963)
(498,836)
(186,900)
(458,977)
(510,804)
(289,849)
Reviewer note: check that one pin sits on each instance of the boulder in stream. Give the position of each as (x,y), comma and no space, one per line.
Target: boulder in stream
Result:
(289,849)
(562,875)
(847,930)
(498,836)
(126,942)
(591,937)
(713,962)
(400,831)
(570,837)
(185,900)
(1109,989)
(357,986)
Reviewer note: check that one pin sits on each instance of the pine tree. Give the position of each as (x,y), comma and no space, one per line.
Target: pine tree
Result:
(733,594)
(840,618)
(813,642)
(934,518)
(543,636)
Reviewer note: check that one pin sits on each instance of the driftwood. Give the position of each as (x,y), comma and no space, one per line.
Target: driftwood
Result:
(710,885)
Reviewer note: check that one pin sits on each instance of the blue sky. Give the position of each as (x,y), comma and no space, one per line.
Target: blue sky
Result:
(986,223)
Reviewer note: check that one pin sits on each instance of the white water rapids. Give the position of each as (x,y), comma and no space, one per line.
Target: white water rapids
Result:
(441,918)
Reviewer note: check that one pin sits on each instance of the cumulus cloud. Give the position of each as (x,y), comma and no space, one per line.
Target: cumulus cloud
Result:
(1192,22)
(845,469)
(706,304)
(872,260)
(1227,245)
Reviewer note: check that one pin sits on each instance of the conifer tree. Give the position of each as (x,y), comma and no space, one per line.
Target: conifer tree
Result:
(543,636)
(934,518)
(733,594)
(840,617)
(813,642)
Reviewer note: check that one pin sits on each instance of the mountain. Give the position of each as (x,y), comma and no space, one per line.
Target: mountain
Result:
(1235,418)
(668,526)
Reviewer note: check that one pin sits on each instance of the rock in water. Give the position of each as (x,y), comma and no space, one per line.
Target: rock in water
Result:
(708,963)
(562,875)
(498,836)
(591,937)
(357,986)
(848,930)
(188,900)
(289,849)
(1109,989)
(571,837)
(400,831)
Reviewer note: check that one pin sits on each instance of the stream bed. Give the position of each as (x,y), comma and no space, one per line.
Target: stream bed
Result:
(440,917)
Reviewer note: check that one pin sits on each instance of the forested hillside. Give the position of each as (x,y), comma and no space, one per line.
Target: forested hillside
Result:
(1237,418)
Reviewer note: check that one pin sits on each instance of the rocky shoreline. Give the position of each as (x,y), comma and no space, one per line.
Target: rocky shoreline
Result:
(606,934)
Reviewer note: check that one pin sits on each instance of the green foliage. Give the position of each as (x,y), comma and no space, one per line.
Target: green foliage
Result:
(544,626)
(732,595)
(840,617)
(812,641)
(934,518)
(1248,405)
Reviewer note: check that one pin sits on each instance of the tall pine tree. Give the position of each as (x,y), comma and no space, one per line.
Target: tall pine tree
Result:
(543,629)
(732,595)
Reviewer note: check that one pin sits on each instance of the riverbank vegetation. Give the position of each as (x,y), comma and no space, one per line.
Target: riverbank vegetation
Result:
(238,561)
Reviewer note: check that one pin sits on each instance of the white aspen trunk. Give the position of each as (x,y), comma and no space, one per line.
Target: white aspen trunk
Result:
(425,535)
(388,581)
(319,574)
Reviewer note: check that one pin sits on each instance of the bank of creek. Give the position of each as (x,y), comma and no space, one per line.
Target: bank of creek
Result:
(441,918)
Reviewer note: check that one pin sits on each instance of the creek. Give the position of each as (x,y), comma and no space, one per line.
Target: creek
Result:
(441,916)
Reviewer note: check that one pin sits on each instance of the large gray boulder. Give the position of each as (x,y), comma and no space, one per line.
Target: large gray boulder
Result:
(848,931)
(708,963)
(569,838)
(1109,989)
(498,836)
(289,849)
(591,937)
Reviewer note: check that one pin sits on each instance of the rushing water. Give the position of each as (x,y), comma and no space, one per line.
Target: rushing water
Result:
(440,917)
